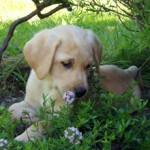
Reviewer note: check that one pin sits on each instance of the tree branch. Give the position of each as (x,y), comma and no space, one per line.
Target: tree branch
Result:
(11,31)
(42,16)
(105,9)
(40,7)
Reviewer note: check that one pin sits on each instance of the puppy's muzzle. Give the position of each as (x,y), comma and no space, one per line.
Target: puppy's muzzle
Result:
(80,91)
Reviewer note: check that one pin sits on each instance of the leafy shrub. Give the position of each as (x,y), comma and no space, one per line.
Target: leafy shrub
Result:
(106,122)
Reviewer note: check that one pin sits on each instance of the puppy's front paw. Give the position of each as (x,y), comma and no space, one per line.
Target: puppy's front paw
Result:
(29,116)
(22,137)
(31,133)
(25,137)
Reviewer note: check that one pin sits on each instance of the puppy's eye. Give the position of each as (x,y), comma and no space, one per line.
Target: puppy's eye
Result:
(67,65)
(88,66)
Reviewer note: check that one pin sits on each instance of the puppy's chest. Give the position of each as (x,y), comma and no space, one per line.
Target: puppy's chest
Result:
(49,94)
(43,91)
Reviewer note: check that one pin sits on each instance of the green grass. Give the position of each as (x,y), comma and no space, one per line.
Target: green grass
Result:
(106,125)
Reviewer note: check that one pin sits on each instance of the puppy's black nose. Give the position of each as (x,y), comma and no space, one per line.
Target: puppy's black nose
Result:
(80,91)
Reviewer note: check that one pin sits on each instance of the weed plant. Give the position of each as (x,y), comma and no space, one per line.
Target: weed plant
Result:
(106,122)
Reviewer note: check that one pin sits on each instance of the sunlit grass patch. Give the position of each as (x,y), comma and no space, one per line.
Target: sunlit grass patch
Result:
(10,9)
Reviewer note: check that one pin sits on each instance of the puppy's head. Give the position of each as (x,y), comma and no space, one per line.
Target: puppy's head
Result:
(66,53)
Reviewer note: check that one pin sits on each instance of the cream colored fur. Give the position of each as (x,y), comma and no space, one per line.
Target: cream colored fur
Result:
(47,53)
(117,80)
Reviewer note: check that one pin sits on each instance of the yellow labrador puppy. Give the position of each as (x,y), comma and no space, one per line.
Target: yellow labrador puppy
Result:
(60,59)
(117,80)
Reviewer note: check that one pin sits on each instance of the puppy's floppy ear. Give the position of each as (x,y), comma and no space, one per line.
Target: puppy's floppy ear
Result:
(97,50)
(96,45)
(40,50)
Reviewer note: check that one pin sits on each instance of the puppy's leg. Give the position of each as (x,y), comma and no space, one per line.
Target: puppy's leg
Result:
(23,110)
(34,131)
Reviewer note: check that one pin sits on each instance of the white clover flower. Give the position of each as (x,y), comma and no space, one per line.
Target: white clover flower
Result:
(56,115)
(69,96)
(4,144)
(73,135)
